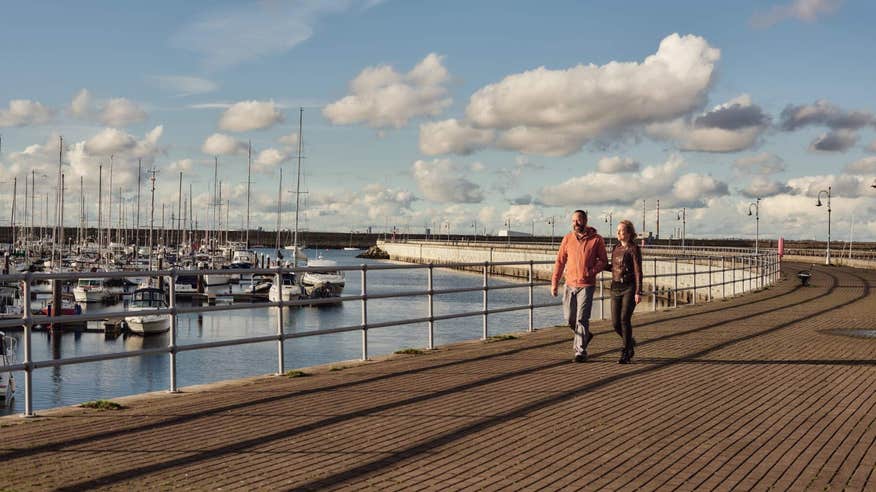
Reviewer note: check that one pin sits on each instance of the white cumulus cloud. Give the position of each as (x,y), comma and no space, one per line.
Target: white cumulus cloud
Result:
(729,127)
(24,112)
(555,112)
(117,112)
(110,141)
(617,164)
(250,115)
(439,181)
(452,137)
(267,160)
(384,98)
(221,144)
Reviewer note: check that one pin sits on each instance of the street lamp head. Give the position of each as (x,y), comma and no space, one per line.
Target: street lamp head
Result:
(818,203)
(749,212)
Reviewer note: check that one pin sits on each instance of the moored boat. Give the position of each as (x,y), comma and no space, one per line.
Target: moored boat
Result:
(148,324)
(8,346)
(326,281)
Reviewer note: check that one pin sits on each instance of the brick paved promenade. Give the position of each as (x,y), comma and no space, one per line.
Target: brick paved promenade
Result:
(753,393)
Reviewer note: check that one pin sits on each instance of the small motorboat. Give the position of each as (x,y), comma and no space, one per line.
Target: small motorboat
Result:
(291,290)
(325,282)
(148,324)
(69,306)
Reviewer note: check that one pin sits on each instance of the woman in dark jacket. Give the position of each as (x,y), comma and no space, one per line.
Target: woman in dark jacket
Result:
(626,285)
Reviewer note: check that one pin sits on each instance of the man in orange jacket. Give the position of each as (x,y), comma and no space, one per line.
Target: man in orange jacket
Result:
(582,256)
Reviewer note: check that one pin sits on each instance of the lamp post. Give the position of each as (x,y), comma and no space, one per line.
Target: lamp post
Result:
(551,221)
(508,229)
(756,205)
(682,215)
(607,216)
(818,204)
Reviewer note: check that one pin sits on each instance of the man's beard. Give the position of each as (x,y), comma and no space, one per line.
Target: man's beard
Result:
(580,229)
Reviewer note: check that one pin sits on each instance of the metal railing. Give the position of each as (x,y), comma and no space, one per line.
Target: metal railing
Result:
(751,271)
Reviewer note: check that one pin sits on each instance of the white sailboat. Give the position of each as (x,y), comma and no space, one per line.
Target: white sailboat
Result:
(7,358)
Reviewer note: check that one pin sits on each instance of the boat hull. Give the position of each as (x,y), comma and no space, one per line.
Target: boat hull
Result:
(148,325)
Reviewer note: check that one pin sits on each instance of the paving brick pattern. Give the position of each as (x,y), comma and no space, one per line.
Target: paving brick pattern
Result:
(752,393)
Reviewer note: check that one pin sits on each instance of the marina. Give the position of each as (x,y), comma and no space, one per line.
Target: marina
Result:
(73,384)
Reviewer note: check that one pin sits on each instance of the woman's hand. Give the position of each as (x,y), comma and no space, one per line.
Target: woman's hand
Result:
(638,298)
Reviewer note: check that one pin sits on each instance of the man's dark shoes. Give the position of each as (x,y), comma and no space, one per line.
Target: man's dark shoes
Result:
(580,358)
(626,355)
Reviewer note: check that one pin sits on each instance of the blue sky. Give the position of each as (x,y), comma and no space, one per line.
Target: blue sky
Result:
(456,115)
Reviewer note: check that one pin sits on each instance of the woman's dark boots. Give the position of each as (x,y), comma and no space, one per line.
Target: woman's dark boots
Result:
(627,353)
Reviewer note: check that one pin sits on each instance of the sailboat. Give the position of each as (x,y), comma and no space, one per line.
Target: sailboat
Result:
(7,358)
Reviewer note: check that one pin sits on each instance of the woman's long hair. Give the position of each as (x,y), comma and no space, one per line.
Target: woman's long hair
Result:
(631,229)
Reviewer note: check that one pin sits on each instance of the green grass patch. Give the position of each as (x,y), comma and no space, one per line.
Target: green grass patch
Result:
(102,405)
(499,338)
(296,374)
(410,351)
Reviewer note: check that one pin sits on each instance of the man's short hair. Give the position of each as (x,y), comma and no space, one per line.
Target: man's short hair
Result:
(583,213)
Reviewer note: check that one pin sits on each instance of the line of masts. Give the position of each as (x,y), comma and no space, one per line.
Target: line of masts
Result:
(183,223)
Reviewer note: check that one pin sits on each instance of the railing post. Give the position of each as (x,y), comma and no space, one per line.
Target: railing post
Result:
(709,296)
(601,280)
(172,342)
(28,356)
(278,278)
(485,333)
(694,279)
(675,288)
(430,307)
(364,313)
(531,309)
(654,285)
(723,279)
(733,269)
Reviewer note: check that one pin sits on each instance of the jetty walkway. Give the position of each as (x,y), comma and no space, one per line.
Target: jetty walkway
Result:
(762,391)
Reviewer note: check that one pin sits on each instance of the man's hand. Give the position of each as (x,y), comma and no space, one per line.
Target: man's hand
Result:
(638,298)
(554,290)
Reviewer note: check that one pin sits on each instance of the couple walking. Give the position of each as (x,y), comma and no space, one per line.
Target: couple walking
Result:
(582,256)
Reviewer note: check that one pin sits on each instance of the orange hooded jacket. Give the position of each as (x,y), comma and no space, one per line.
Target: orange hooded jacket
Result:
(581,259)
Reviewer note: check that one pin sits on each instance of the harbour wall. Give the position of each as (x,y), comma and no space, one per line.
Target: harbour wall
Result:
(693,274)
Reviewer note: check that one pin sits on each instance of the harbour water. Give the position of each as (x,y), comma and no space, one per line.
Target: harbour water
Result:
(73,384)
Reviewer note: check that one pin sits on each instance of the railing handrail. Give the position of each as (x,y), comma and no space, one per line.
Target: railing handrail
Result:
(758,269)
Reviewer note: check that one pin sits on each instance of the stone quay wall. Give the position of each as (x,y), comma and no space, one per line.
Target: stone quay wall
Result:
(708,269)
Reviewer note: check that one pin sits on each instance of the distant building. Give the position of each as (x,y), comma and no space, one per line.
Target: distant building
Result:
(508,232)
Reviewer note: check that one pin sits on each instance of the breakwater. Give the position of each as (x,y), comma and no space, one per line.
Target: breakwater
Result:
(699,278)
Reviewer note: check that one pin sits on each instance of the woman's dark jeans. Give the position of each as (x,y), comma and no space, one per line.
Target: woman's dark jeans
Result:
(623,303)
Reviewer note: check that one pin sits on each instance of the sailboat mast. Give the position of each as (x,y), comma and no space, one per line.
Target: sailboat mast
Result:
(99,208)
(298,186)
(12,213)
(137,220)
(109,219)
(179,209)
(248,189)
(279,202)
(151,216)
(213,207)
(57,196)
